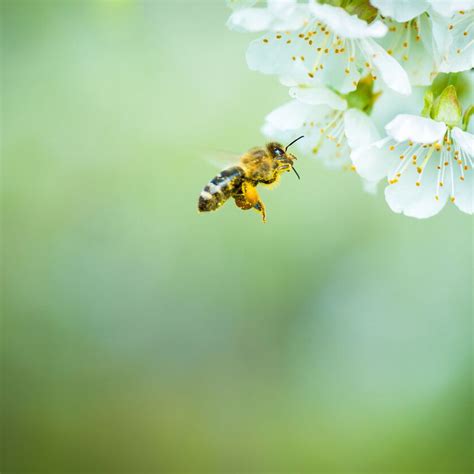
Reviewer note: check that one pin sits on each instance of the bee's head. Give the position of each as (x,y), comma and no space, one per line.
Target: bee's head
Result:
(281,155)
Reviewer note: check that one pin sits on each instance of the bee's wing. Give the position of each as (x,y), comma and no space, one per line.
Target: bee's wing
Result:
(221,159)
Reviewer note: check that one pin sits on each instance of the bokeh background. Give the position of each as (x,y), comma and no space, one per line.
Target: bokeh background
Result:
(140,336)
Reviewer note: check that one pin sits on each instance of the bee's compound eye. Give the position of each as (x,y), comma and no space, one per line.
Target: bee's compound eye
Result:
(279,152)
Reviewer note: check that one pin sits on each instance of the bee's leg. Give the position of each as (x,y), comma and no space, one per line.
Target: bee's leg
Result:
(253,198)
(241,202)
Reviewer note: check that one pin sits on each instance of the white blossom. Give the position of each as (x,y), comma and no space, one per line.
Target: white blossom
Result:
(332,48)
(330,127)
(278,15)
(425,162)
(429,36)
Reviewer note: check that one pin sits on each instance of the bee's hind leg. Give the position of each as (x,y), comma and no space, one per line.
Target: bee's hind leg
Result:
(253,198)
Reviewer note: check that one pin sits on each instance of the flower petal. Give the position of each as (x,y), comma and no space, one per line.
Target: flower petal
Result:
(418,129)
(448,8)
(416,201)
(401,10)
(250,19)
(464,197)
(464,139)
(374,161)
(345,25)
(318,96)
(392,73)
(294,114)
(360,129)
(281,8)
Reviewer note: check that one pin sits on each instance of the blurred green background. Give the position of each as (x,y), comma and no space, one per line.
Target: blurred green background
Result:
(140,336)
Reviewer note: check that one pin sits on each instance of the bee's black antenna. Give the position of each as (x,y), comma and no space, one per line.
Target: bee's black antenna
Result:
(296,172)
(288,146)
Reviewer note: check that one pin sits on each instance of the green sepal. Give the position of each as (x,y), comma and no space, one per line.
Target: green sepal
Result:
(446,108)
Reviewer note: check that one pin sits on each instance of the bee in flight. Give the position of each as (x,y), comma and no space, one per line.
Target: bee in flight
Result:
(259,165)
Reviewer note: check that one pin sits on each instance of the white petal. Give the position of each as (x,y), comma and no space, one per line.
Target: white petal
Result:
(290,18)
(250,19)
(449,7)
(293,114)
(464,139)
(281,8)
(401,10)
(392,73)
(359,128)
(345,25)
(270,55)
(456,44)
(390,104)
(416,201)
(373,162)
(464,192)
(318,96)
(418,129)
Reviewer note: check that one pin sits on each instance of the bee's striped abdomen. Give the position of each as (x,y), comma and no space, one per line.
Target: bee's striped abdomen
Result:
(220,188)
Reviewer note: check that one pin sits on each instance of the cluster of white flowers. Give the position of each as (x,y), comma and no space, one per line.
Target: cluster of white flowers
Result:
(383,87)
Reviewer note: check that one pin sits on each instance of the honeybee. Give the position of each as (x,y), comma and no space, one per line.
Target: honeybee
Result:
(259,165)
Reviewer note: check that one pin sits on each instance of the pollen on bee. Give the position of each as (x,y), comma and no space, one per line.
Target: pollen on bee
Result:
(465,33)
(302,58)
(392,148)
(402,157)
(288,41)
(347,71)
(265,40)
(461,178)
(418,183)
(450,27)
(278,36)
(389,51)
(310,74)
(419,170)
